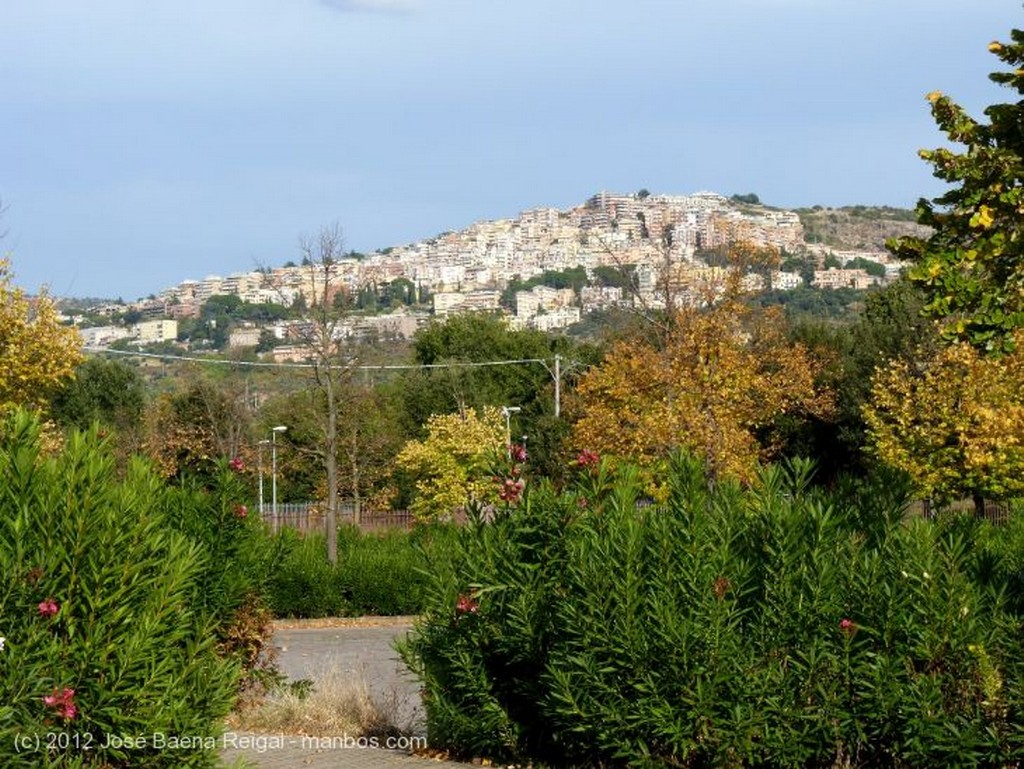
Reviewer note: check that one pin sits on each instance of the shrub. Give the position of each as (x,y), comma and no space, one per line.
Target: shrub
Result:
(774,625)
(240,556)
(303,585)
(377,573)
(106,637)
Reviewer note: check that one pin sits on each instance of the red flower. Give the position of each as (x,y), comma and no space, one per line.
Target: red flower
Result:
(511,490)
(518,452)
(847,626)
(466,604)
(63,701)
(236,464)
(241,511)
(48,608)
(587,458)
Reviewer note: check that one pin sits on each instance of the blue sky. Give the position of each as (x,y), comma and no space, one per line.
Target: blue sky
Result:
(146,142)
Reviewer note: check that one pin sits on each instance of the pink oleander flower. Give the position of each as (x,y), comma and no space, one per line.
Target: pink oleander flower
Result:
(63,701)
(466,604)
(241,511)
(511,490)
(587,458)
(236,464)
(847,626)
(48,608)
(518,452)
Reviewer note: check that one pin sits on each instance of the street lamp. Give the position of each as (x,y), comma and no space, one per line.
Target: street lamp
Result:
(273,460)
(507,412)
(259,455)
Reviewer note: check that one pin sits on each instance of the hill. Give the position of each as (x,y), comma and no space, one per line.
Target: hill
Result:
(858,227)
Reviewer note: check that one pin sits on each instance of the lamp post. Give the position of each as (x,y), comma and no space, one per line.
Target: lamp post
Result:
(273,459)
(507,412)
(259,455)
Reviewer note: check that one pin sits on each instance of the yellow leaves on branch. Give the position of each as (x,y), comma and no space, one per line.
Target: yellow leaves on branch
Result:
(955,424)
(723,376)
(451,464)
(37,352)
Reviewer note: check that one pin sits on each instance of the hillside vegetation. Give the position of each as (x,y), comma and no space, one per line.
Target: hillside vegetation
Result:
(858,227)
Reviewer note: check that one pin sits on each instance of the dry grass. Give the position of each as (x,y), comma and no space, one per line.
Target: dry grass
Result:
(338,703)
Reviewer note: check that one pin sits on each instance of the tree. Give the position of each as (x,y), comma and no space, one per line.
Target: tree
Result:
(476,338)
(714,388)
(954,424)
(450,466)
(334,361)
(890,327)
(38,354)
(106,391)
(368,439)
(972,266)
(190,431)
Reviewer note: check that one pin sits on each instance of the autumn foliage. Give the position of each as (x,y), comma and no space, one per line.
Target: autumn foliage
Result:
(715,387)
(37,352)
(954,423)
(451,465)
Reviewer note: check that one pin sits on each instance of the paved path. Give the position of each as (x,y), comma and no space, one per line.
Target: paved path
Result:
(365,651)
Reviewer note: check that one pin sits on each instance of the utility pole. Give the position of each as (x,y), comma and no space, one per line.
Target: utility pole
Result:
(558,386)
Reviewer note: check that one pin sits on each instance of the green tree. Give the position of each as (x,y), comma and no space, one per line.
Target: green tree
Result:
(972,266)
(890,328)
(106,391)
(869,266)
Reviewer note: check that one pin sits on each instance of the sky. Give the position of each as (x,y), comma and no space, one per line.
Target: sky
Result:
(143,143)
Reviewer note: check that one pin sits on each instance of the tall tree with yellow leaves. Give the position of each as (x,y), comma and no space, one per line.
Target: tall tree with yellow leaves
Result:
(37,352)
(714,388)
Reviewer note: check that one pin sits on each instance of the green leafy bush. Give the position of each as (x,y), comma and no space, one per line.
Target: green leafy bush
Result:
(377,573)
(303,585)
(772,626)
(108,648)
(240,555)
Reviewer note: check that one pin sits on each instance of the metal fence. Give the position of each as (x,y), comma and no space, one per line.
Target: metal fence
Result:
(993,512)
(309,517)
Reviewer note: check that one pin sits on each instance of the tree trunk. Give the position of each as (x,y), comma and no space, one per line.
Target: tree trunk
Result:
(331,468)
(979,505)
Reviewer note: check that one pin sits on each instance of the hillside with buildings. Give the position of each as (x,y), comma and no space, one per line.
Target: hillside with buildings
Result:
(628,248)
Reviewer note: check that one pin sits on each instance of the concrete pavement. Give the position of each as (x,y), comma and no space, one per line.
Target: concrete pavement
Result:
(363,650)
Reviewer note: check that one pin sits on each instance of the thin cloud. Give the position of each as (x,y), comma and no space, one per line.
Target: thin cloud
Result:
(370,6)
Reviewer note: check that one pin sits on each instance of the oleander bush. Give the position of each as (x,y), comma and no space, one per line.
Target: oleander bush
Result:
(114,616)
(774,625)
(378,573)
(240,557)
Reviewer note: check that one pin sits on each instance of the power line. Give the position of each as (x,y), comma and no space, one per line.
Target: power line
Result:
(265,364)
(555,373)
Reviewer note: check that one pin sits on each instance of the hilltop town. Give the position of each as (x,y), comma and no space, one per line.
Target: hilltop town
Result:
(546,269)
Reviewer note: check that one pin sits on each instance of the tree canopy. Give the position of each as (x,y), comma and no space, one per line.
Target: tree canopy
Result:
(955,424)
(38,354)
(972,266)
(715,387)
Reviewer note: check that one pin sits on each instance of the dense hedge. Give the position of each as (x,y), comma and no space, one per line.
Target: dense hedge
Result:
(377,573)
(120,603)
(772,626)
